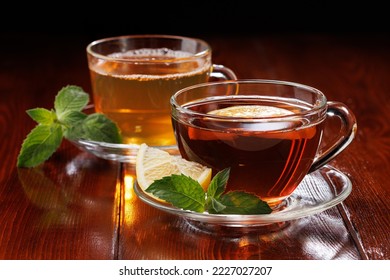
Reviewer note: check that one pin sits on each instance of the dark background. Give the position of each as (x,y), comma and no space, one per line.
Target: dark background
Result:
(193,18)
(56,29)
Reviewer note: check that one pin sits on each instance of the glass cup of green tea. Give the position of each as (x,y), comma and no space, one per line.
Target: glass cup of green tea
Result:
(133,78)
(269,133)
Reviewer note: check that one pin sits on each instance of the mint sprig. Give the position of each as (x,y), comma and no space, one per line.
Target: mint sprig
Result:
(186,193)
(65,120)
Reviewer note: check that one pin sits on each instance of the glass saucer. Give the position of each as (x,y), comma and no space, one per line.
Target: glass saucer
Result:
(319,191)
(112,151)
(115,152)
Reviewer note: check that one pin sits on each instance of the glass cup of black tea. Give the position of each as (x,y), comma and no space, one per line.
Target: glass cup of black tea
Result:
(269,133)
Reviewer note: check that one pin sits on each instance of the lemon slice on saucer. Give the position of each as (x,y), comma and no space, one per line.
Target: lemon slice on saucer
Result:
(153,164)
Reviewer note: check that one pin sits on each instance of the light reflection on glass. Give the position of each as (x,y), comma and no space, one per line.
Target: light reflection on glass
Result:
(324,245)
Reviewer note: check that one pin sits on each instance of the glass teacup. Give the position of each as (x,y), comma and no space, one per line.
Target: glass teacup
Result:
(268,132)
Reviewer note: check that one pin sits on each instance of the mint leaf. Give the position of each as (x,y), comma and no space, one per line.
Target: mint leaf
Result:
(186,193)
(96,127)
(72,118)
(215,206)
(42,115)
(237,202)
(65,120)
(70,98)
(218,184)
(181,191)
(39,145)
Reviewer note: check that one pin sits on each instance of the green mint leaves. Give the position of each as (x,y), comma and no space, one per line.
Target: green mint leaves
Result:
(186,193)
(66,120)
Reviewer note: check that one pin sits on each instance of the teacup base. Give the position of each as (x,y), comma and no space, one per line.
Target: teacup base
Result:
(280,205)
(231,231)
(242,228)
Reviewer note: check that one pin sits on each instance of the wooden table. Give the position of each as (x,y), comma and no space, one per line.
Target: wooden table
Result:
(77,206)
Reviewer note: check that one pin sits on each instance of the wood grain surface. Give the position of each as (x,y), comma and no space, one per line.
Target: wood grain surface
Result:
(77,206)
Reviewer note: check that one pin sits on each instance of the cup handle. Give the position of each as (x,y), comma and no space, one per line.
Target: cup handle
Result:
(221,72)
(347,133)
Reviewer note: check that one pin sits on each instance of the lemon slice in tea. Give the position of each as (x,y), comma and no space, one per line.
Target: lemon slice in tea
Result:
(251,111)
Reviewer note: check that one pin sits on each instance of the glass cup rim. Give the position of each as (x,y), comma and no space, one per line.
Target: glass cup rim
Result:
(204,53)
(317,107)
